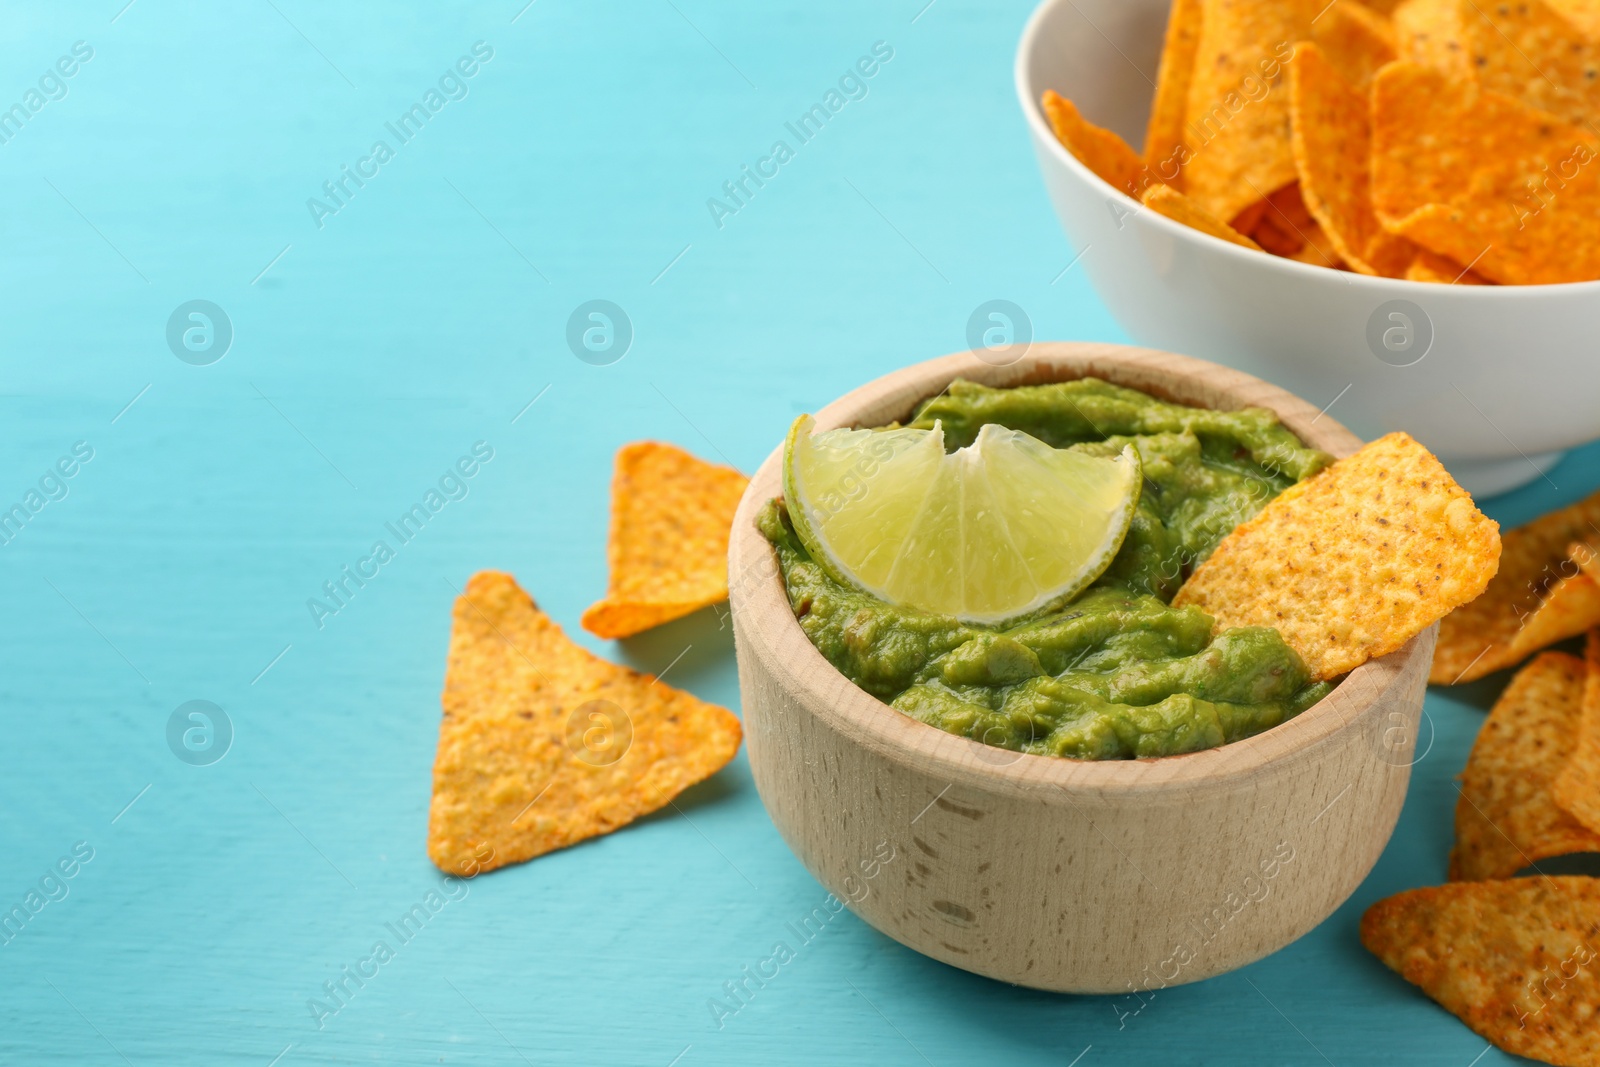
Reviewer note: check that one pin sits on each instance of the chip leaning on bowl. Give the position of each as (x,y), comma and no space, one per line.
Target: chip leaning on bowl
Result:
(1432,140)
(1082,570)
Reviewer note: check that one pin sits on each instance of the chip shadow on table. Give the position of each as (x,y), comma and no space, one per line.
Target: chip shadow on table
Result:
(684,652)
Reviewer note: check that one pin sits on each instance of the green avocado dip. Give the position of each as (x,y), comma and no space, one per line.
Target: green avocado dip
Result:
(1115,673)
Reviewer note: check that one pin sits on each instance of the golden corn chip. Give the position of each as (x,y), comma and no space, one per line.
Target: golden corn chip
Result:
(1355,40)
(1390,255)
(1506,817)
(1332,140)
(1432,267)
(670,517)
(1529,51)
(1164,134)
(1167,201)
(1275,234)
(1247,220)
(1570,607)
(1577,785)
(1514,960)
(1484,179)
(1238,112)
(1583,14)
(1477,639)
(1283,223)
(1430,32)
(1353,562)
(1381,7)
(543,745)
(1103,152)
(1318,249)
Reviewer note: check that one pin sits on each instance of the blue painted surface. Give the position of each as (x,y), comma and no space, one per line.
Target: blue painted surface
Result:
(368,353)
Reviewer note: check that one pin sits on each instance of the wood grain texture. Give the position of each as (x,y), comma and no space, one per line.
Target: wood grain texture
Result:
(1062,875)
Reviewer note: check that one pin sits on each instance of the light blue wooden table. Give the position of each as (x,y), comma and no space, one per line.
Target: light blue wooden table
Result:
(378,332)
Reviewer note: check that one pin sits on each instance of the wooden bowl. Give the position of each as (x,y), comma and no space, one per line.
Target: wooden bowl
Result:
(1089,877)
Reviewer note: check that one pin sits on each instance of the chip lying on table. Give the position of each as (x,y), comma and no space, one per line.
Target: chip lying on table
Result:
(1515,960)
(670,516)
(1542,594)
(543,745)
(1440,141)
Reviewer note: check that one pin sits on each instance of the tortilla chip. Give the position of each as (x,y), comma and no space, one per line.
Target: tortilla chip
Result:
(1506,817)
(1102,151)
(1318,249)
(1285,223)
(543,745)
(1276,236)
(1577,785)
(1353,562)
(1583,14)
(1484,179)
(1164,134)
(1529,51)
(1430,32)
(670,517)
(1332,140)
(1238,113)
(1390,255)
(1167,201)
(1571,607)
(1514,960)
(1432,267)
(1355,40)
(1477,639)
(1247,220)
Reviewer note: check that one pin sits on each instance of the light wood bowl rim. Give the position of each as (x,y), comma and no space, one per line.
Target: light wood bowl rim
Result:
(785,650)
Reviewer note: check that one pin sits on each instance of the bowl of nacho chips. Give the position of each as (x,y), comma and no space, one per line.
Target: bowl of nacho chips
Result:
(1130,875)
(1383,206)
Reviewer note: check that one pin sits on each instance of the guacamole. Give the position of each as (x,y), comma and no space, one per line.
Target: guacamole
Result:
(1115,673)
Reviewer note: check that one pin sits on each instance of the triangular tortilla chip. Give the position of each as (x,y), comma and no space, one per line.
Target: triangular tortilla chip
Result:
(670,517)
(1389,254)
(1570,607)
(1318,250)
(1476,640)
(1431,267)
(1577,785)
(1355,40)
(1111,158)
(1353,562)
(1332,141)
(543,745)
(1484,178)
(1530,51)
(1238,113)
(1514,960)
(1165,200)
(1430,32)
(1506,818)
(1164,133)
(1584,14)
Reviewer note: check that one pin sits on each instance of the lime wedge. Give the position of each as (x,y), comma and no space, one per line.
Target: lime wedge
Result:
(986,534)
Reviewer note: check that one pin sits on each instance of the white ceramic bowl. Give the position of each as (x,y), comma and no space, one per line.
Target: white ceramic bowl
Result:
(1508,380)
